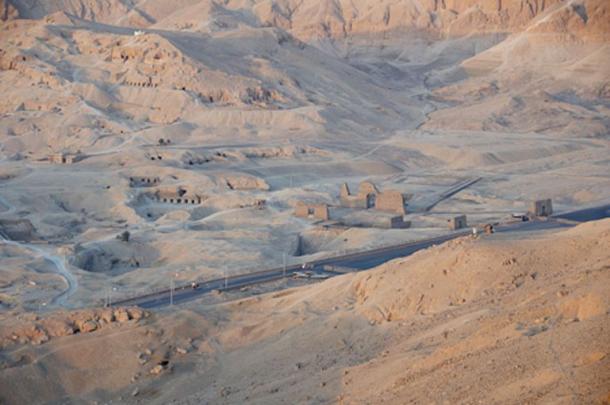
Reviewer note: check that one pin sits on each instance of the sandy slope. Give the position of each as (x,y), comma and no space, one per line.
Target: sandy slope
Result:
(503,320)
(283,101)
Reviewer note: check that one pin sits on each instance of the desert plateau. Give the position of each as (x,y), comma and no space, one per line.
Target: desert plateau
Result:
(305,202)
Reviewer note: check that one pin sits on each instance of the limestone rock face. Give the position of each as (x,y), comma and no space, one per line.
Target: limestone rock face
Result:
(307,19)
(121,315)
(40,330)
(340,18)
(88,326)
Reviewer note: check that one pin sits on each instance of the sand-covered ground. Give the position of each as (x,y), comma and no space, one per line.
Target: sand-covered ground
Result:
(502,319)
(239,109)
(240,102)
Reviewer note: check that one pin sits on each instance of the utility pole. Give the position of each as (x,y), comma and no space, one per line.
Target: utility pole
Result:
(284,269)
(110,290)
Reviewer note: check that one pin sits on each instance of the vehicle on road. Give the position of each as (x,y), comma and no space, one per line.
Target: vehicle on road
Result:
(311,275)
(520,216)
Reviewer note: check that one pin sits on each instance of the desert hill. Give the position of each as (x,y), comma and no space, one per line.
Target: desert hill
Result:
(337,18)
(501,320)
(152,143)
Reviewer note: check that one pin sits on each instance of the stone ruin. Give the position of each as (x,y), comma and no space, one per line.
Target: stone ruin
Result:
(144,181)
(364,199)
(179,196)
(369,196)
(391,201)
(390,204)
(458,222)
(316,211)
(381,220)
(542,208)
(66,157)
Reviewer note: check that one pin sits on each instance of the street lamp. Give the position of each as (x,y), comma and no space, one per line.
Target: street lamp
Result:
(284,268)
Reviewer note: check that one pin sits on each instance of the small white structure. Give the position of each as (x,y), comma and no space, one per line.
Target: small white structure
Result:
(137,33)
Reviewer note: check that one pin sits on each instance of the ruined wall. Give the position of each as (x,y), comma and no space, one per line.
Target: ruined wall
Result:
(317,211)
(65,158)
(144,181)
(353,201)
(398,222)
(543,208)
(180,196)
(366,188)
(391,201)
(458,222)
(370,219)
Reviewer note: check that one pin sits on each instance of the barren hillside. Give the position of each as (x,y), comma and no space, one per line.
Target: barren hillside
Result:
(147,144)
(499,320)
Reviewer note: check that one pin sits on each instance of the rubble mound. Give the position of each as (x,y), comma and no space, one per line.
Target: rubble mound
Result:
(35,330)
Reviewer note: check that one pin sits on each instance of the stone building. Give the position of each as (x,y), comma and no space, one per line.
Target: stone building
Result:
(369,196)
(65,157)
(396,222)
(316,211)
(458,222)
(391,201)
(542,208)
(180,196)
(349,200)
(144,181)
(367,188)
(372,219)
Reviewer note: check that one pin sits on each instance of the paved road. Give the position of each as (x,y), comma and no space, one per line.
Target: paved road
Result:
(586,214)
(357,261)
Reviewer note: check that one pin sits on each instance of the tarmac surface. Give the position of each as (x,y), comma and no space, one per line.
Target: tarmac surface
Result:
(359,261)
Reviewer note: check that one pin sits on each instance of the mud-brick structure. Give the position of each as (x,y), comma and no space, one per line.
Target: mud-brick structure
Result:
(396,222)
(349,200)
(458,222)
(369,196)
(391,201)
(144,181)
(66,158)
(180,196)
(316,211)
(366,188)
(542,208)
(370,219)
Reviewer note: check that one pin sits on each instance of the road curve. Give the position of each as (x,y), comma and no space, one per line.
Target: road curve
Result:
(60,264)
